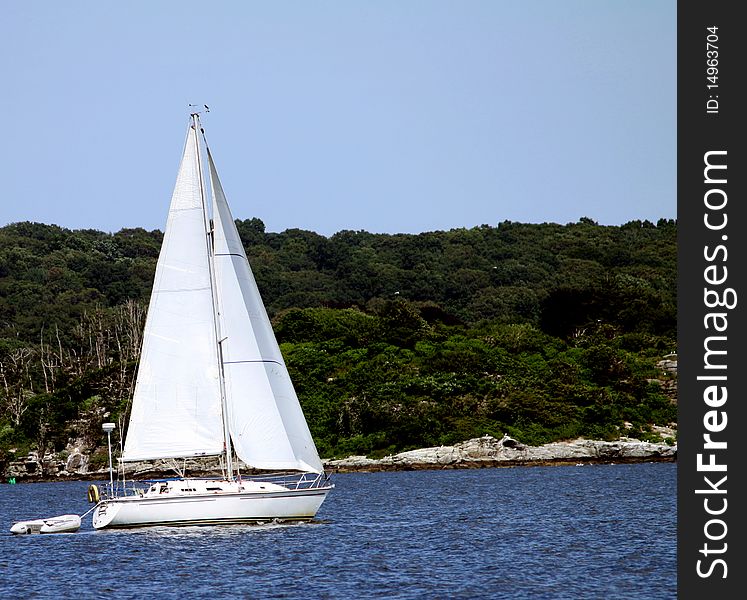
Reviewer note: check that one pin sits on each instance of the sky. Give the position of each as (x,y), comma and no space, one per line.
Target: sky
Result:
(389,116)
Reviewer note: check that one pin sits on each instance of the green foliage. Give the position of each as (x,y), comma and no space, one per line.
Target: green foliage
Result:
(541,331)
(99,459)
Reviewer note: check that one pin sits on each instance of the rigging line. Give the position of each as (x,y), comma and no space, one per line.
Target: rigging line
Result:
(204,139)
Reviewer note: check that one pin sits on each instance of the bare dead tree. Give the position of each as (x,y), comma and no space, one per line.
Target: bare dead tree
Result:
(17,381)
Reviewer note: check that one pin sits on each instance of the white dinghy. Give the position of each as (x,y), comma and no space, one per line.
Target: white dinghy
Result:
(211,379)
(59,524)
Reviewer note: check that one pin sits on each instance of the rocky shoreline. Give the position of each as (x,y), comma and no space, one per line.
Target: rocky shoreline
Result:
(483,452)
(488,451)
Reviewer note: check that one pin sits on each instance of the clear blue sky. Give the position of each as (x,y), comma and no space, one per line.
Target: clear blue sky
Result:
(389,116)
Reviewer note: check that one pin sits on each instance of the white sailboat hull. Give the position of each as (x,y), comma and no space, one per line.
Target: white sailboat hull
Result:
(285,505)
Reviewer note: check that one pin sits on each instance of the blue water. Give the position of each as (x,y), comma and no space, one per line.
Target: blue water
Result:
(605,531)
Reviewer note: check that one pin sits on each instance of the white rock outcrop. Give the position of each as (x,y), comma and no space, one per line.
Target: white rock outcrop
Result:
(489,451)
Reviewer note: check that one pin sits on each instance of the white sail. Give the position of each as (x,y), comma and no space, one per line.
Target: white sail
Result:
(265,419)
(176,409)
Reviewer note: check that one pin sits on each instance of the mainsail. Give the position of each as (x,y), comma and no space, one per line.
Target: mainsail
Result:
(177,409)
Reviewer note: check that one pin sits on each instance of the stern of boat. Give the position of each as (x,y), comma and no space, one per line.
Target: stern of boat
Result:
(104,513)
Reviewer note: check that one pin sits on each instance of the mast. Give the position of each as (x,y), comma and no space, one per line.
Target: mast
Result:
(209,240)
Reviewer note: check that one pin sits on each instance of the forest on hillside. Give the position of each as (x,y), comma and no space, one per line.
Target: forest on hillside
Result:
(393,341)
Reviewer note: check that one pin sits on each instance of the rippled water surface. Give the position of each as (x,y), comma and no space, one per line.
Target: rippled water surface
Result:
(606,531)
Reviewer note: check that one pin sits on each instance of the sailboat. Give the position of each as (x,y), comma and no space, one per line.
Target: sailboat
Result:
(211,381)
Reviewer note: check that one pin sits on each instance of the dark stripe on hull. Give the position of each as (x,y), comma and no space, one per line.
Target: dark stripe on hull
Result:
(216,497)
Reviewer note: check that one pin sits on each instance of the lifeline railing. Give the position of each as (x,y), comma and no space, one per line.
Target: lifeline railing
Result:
(295,481)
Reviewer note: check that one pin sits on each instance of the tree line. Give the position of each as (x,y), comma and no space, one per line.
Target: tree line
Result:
(394,341)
